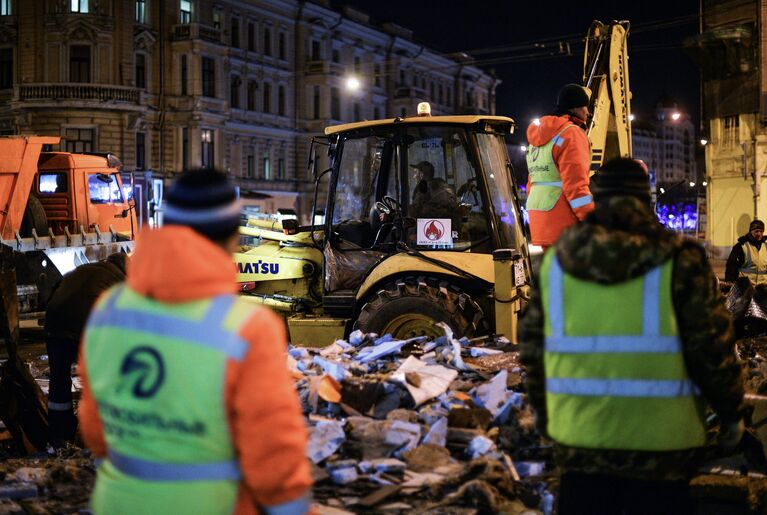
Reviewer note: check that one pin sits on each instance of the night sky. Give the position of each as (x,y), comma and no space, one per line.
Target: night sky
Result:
(531,75)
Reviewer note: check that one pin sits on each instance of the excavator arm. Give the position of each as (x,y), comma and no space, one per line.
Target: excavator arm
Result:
(606,74)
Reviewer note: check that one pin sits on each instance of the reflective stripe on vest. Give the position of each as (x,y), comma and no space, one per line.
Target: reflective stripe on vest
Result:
(649,341)
(198,332)
(545,181)
(755,264)
(614,364)
(156,471)
(60,406)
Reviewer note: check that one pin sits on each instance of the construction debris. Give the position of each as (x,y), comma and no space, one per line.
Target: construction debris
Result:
(421,425)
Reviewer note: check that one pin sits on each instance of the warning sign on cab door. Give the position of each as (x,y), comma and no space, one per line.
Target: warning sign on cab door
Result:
(434,231)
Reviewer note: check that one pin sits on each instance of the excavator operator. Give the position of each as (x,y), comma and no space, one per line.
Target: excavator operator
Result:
(558,160)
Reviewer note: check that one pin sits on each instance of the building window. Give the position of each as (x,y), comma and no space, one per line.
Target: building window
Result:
(208,77)
(235,33)
(217,14)
(252,88)
(78,6)
(6,68)
(335,55)
(185,11)
(251,37)
(730,131)
(251,163)
(335,103)
(184,75)
(234,91)
(140,11)
(357,64)
(79,63)
(206,136)
(377,74)
(267,98)
(357,112)
(267,42)
(281,101)
(140,151)
(316,103)
(141,71)
(185,148)
(316,54)
(6,9)
(376,113)
(281,48)
(79,140)
(281,168)
(267,165)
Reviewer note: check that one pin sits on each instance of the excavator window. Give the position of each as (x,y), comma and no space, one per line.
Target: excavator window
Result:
(444,199)
(53,182)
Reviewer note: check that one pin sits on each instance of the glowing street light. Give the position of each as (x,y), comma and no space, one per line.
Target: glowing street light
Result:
(692,184)
(703,141)
(523,148)
(352,84)
(631,117)
(675,116)
(704,183)
(662,189)
(536,121)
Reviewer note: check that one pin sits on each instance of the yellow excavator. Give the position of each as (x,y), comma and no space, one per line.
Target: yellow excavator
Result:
(423,222)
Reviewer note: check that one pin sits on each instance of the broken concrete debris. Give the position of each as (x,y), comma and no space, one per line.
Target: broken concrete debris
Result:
(410,423)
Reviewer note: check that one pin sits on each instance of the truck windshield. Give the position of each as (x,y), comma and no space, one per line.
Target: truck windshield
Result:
(103,191)
(497,172)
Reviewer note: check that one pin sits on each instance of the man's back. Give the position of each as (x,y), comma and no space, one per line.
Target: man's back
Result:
(72,300)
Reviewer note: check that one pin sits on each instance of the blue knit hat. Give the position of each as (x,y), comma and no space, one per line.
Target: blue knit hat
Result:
(204,200)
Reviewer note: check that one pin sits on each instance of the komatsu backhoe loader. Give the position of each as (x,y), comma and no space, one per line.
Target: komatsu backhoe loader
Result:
(423,222)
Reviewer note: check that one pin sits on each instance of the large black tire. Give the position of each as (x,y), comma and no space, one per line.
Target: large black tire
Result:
(411,306)
(34,217)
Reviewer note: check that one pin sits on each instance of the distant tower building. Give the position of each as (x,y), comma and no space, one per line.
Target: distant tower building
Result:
(666,143)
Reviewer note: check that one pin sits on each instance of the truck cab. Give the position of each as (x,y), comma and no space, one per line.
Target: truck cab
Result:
(83,190)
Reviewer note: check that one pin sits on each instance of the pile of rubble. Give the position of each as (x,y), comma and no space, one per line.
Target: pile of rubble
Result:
(421,425)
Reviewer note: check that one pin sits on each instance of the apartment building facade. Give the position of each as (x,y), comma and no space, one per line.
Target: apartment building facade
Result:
(241,86)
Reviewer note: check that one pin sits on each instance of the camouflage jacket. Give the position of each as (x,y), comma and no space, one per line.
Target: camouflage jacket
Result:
(620,240)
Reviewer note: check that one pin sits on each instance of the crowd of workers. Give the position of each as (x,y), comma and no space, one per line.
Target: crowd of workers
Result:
(623,395)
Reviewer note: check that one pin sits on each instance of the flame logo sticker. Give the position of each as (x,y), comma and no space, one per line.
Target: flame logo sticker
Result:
(434,230)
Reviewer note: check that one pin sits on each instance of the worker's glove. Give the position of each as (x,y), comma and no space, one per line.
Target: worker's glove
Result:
(730,434)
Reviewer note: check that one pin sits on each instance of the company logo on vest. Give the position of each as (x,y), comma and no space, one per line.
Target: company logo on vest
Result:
(145,369)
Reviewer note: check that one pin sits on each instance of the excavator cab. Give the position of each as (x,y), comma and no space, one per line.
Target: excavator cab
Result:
(415,209)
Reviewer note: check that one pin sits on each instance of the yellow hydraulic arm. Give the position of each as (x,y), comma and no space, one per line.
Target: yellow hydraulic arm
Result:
(606,74)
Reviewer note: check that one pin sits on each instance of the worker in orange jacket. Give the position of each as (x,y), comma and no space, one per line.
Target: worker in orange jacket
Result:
(558,159)
(186,392)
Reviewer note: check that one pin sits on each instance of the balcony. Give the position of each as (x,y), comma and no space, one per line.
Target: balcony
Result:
(191,31)
(410,92)
(98,93)
(323,68)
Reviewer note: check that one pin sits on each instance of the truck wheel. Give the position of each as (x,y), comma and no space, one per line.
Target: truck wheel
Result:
(411,306)
(34,217)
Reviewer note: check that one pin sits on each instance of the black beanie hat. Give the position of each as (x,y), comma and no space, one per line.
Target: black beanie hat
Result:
(756,224)
(621,177)
(570,97)
(204,200)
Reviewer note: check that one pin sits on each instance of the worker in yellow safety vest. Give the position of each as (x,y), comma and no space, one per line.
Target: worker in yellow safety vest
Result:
(186,395)
(626,341)
(748,257)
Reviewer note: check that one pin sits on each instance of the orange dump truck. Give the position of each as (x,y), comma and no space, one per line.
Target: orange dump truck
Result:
(57,210)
